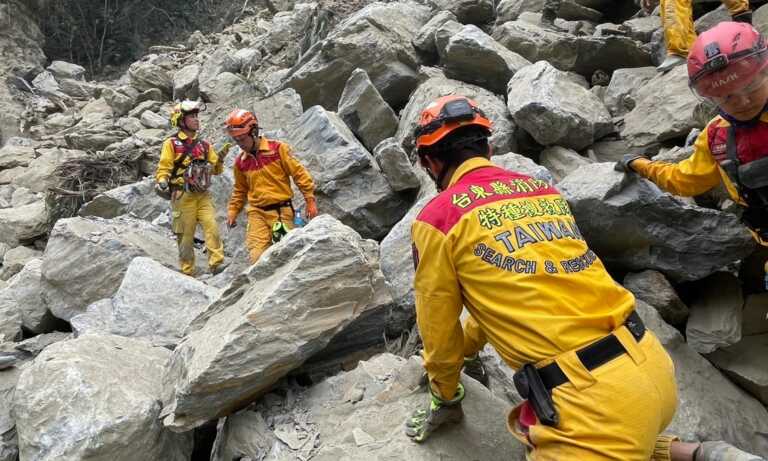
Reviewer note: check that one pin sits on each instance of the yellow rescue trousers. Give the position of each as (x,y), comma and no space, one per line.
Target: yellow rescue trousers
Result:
(258,235)
(614,412)
(189,209)
(677,20)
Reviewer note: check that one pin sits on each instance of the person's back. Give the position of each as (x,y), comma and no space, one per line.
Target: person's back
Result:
(526,274)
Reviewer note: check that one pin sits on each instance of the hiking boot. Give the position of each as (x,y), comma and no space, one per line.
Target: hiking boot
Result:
(475,369)
(672,60)
(722,451)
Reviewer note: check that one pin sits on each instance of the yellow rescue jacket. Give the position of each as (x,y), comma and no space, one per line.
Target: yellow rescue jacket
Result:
(507,247)
(702,171)
(174,149)
(264,178)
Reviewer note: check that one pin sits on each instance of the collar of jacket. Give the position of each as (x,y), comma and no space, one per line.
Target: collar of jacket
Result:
(469,165)
(263,146)
(763,116)
(182,135)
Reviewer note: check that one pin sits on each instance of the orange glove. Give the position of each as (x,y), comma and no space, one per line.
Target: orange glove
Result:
(311,207)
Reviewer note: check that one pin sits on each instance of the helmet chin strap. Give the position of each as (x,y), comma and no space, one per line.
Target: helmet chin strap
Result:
(743,123)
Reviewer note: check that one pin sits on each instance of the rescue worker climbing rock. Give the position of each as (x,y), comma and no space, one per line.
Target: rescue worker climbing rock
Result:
(728,65)
(598,385)
(263,173)
(184,175)
(679,33)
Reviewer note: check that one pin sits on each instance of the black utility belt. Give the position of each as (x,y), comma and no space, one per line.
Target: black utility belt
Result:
(276,206)
(536,385)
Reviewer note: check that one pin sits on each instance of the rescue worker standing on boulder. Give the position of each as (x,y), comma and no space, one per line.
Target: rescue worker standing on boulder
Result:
(184,175)
(263,173)
(727,65)
(598,385)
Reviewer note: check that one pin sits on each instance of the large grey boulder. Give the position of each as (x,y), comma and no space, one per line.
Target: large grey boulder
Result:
(228,86)
(553,109)
(503,135)
(13,155)
(620,96)
(121,102)
(521,164)
(145,75)
(561,161)
(467,11)
(580,54)
(359,415)
(664,110)
(63,69)
(349,183)
(653,288)
(715,319)
(292,32)
(706,398)
(15,259)
(424,40)
(643,28)
(220,61)
(10,322)
(395,165)
(23,224)
(24,294)
(95,397)
(633,225)
(444,33)
(365,112)
(472,56)
(153,302)
(376,39)
(320,285)
(279,110)
(138,199)
(745,362)
(9,446)
(186,83)
(109,246)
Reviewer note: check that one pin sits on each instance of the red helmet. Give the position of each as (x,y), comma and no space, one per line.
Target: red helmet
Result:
(446,114)
(240,122)
(725,59)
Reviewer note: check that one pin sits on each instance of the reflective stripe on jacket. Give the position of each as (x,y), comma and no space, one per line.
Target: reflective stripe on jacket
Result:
(507,247)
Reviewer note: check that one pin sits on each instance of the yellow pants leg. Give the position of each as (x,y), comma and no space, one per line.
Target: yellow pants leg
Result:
(474,338)
(677,20)
(184,223)
(258,236)
(612,413)
(206,216)
(736,6)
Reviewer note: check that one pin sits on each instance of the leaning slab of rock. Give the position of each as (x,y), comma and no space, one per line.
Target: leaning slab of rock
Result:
(319,285)
(553,109)
(359,415)
(472,56)
(503,135)
(581,54)
(561,161)
(23,224)
(95,397)
(653,288)
(376,39)
(109,246)
(350,185)
(424,41)
(24,293)
(706,398)
(395,165)
(620,97)
(715,319)
(365,112)
(185,83)
(153,302)
(635,226)
(138,199)
(664,109)
(746,363)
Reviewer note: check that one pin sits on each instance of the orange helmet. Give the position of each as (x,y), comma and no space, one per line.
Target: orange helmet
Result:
(446,114)
(240,122)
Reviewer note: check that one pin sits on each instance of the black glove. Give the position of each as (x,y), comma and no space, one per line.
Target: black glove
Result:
(623,164)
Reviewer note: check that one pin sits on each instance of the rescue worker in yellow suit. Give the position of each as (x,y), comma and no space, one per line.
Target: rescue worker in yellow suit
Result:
(263,173)
(183,175)
(679,32)
(598,385)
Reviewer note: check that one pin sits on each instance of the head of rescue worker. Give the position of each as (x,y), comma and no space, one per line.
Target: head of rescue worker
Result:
(243,128)
(506,247)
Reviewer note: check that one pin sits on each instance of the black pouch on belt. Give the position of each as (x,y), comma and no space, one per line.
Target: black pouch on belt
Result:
(530,387)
